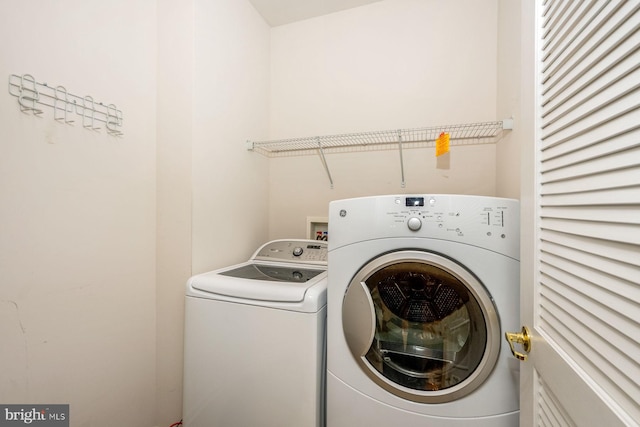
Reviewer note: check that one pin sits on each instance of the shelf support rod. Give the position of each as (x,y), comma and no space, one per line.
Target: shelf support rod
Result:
(324,161)
(402,183)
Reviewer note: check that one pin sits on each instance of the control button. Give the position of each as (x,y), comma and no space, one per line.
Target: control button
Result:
(297,251)
(432,201)
(414,223)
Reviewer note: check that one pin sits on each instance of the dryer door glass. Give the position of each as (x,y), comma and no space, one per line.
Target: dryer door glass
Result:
(434,326)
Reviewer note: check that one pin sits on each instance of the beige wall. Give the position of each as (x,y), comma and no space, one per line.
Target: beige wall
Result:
(509,99)
(303,187)
(89,317)
(230,105)
(389,65)
(174,152)
(78,214)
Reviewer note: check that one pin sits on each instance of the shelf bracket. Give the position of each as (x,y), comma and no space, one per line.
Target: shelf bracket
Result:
(402,183)
(324,161)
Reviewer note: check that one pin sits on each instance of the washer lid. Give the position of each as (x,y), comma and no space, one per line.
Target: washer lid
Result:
(260,281)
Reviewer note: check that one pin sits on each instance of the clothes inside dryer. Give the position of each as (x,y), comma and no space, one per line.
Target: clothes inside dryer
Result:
(430,333)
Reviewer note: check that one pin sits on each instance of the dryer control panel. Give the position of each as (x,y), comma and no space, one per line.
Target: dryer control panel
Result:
(416,210)
(298,251)
(489,222)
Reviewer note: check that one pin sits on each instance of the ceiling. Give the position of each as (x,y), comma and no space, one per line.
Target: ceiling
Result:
(280,12)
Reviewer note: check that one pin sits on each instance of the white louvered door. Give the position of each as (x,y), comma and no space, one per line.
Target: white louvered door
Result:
(581,213)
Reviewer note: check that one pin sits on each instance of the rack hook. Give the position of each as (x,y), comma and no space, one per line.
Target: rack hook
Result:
(66,104)
(91,125)
(114,119)
(28,95)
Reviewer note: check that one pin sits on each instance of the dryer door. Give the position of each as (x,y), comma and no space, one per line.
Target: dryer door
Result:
(421,326)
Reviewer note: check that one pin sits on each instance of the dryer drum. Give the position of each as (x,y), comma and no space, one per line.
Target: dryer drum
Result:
(429,332)
(418,298)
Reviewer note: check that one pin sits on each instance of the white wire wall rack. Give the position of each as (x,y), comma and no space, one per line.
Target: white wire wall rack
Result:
(33,96)
(463,134)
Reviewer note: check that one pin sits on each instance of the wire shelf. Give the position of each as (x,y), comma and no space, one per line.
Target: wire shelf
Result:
(464,134)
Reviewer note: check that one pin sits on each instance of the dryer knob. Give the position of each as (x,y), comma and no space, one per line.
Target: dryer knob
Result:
(297,251)
(414,223)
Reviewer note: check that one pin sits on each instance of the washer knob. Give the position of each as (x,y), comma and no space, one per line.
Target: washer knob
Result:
(297,251)
(414,223)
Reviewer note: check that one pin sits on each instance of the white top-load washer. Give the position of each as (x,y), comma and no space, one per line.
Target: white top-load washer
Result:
(421,290)
(254,340)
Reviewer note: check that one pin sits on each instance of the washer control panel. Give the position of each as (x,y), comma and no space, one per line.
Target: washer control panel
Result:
(300,251)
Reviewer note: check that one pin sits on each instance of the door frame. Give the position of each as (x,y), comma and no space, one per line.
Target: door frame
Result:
(528,198)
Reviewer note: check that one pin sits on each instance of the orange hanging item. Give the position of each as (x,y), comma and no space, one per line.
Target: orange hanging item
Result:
(442,144)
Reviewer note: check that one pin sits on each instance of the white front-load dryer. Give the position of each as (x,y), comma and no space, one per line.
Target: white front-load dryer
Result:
(420,291)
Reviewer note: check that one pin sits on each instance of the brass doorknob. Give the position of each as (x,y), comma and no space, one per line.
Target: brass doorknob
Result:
(524,338)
